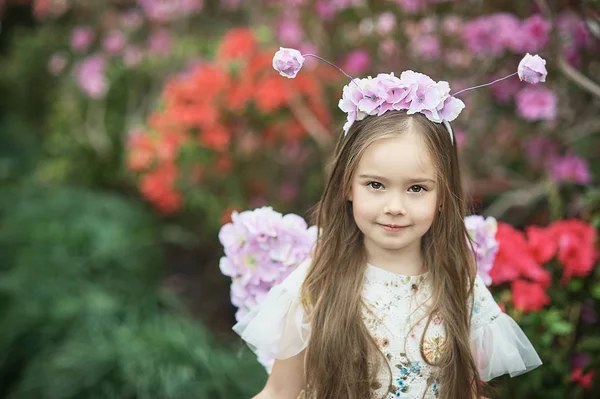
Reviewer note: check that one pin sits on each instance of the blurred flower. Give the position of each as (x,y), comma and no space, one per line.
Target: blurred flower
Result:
(386,23)
(160,42)
(482,38)
(366,27)
(158,186)
(515,259)
(132,55)
(528,297)
(162,11)
(289,31)
(288,62)
(482,232)
(230,5)
(542,243)
(579,362)
(541,151)
(412,6)
(90,75)
(357,62)
(505,90)
(141,151)
(573,30)
(536,103)
(238,43)
(81,38)
(131,19)
(57,63)
(426,46)
(452,25)
(576,247)
(570,168)
(114,42)
(532,69)
(533,34)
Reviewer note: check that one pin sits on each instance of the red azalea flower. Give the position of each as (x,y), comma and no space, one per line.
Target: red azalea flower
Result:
(528,297)
(238,43)
(542,242)
(515,258)
(584,380)
(576,247)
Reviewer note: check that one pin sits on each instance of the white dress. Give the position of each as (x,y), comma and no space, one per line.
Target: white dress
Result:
(278,328)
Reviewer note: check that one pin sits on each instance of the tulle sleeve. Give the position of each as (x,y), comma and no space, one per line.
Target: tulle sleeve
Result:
(278,328)
(499,345)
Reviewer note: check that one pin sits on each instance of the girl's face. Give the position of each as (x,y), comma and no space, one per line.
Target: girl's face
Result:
(394,194)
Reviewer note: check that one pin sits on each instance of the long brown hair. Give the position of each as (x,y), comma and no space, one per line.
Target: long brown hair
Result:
(342,359)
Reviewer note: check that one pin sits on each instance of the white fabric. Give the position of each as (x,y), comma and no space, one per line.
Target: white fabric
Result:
(499,345)
(278,328)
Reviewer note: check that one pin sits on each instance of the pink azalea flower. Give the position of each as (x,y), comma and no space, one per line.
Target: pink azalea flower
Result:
(289,31)
(357,62)
(114,42)
(426,46)
(90,76)
(482,38)
(160,42)
(386,23)
(536,103)
(533,34)
(81,38)
(570,168)
(540,151)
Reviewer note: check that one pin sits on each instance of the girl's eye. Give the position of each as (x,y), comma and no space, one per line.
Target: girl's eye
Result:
(416,188)
(375,185)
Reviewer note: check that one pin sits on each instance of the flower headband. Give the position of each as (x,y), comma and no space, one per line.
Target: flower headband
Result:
(412,91)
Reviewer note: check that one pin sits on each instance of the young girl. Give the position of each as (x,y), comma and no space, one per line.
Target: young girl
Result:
(390,305)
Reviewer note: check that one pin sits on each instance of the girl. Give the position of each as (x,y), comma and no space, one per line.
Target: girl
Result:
(390,305)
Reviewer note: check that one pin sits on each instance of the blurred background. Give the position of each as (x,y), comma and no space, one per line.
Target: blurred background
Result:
(131,129)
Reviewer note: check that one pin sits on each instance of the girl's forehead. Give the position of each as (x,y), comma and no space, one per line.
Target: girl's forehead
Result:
(400,156)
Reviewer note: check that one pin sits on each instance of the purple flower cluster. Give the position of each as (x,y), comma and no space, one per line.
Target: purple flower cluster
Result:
(262,247)
(412,91)
(482,232)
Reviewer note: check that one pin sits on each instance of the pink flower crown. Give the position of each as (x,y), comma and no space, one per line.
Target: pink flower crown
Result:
(412,91)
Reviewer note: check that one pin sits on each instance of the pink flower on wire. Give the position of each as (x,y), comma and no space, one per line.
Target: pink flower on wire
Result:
(536,103)
(570,168)
(288,62)
(413,91)
(532,69)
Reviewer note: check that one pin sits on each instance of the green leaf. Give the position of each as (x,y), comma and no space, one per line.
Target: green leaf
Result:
(595,291)
(589,344)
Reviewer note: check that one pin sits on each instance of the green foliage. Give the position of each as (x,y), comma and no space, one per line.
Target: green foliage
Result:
(83,311)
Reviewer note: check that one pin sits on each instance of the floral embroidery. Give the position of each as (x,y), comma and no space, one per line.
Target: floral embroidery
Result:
(432,347)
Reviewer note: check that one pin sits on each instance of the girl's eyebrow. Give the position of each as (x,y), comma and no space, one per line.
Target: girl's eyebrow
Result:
(414,180)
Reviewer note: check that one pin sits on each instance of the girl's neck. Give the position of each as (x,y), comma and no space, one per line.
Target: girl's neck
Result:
(408,261)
